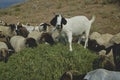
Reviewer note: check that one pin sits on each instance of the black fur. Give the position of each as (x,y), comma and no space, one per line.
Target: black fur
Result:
(94,46)
(67,76)
(47,38)
(54,21)
(30,42)
(64,21)
(5,57)
(116,54)
(22,31)
(45,25)
(12,26)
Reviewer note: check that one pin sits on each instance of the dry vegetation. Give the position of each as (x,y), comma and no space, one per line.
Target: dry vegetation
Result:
(36,11)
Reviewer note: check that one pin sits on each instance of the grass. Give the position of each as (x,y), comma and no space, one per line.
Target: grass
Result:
(46,62)
(38,11)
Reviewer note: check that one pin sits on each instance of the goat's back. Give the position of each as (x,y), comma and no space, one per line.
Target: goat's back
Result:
(77,24)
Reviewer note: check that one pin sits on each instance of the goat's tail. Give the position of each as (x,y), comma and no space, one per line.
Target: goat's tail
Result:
(93,19)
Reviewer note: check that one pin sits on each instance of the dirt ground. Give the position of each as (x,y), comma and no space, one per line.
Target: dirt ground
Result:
(38,11)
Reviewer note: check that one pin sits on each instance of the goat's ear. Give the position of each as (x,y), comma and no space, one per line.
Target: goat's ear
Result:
(47,24)
(64,21)
(12,26)
(54,21)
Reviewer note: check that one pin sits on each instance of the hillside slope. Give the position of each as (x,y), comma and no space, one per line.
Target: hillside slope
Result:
(37,11)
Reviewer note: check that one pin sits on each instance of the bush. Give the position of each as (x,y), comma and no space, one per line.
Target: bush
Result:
(17,9)
(46,62)
(4,13)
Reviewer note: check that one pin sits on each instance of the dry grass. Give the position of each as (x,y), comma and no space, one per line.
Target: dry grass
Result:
(37,11)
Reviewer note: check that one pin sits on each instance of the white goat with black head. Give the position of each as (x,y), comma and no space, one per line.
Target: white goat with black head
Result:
(19,43)
(73,26)
(43,27)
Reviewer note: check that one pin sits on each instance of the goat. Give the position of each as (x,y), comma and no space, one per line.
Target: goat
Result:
(116,54)
(6,40)
(98,42)
(22,31)
(102,74)
(35,34)
(19,43)
(112,46)
(47,38)
(40,36)
(4,52)
(43,27)
(73,26)
(8,30)
(72,75)
(104,60)
(27,26)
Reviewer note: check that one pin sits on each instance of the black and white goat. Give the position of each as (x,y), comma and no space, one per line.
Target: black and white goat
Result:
(8,31)
(4,52)
(73,26)
(19,43)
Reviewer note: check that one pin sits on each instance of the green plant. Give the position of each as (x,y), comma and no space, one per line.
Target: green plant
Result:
(17,9)
(46,62)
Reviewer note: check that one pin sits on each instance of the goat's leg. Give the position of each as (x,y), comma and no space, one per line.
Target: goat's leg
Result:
(81,39)
(69,35)
(86,41)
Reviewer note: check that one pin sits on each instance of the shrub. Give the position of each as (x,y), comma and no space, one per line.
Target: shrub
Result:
(46,62)
(17,9)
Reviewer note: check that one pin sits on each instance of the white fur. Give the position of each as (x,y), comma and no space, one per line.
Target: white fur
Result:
(4,49)
(18,43)
(5,30)
(29,28)
(102,74)
(77,26)
(3,45)
(35,34)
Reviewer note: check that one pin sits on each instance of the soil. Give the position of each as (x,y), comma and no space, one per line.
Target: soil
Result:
(38,11)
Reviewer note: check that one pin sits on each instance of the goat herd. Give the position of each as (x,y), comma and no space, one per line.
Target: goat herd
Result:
(15,37)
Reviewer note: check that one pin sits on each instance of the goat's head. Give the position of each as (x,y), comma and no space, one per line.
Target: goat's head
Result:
(58,21)
(94,46)
(4,54)
(31,42)
(43,26)
(46,37)
(22,32)
(12,28)
(67,76)
(72,75)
